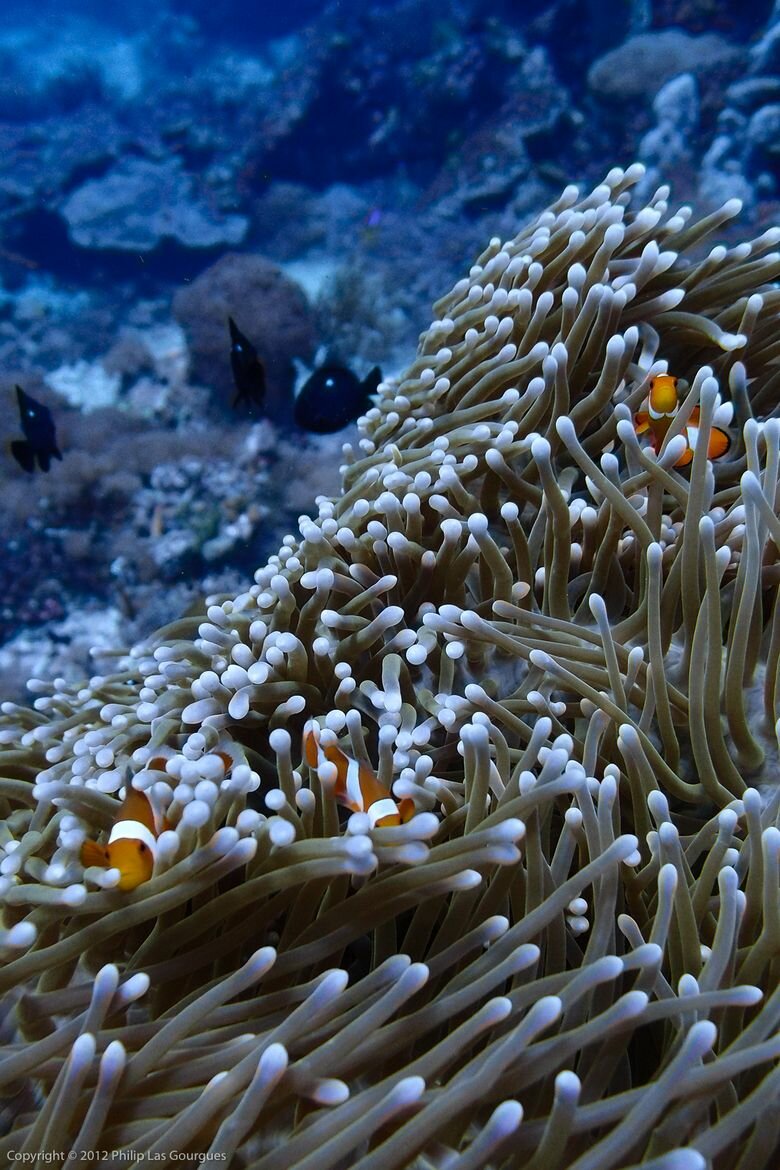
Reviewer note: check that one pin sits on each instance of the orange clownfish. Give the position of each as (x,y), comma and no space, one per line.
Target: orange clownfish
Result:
(662,406)
(357,788)
(132,842)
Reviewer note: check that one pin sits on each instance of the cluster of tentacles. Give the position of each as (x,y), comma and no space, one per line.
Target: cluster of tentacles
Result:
(565,650)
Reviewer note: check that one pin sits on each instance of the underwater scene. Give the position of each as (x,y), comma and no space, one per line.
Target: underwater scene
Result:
(390,584)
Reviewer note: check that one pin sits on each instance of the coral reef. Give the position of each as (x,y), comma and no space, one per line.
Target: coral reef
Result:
(138,204)
(644,63)
(114,141)
(742,156)
(68,649)
(134,503)
(88,386)
(151,489)
(565,652)
(670,143)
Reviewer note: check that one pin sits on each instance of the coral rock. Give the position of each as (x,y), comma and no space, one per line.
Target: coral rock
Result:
(138,204)
(267,306)
(641,65)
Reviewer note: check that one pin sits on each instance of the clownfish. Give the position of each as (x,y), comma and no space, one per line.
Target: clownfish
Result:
(132,842)
(662,406)
(357,788)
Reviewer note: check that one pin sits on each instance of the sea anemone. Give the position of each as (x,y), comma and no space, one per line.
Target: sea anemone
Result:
(565,650)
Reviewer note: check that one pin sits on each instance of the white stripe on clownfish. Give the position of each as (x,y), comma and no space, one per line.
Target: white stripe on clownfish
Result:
(356,787)
(132,840)
(133,831)
(352,789)
(662,408)
(381,808)
(660,413)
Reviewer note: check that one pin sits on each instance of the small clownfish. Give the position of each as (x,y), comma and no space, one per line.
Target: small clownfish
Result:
(357,788)
(662,406)
(132,842)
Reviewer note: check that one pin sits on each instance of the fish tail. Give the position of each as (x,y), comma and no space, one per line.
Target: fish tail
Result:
(23,454)
(719,444)
(372,380)
(406,809)
(227,761)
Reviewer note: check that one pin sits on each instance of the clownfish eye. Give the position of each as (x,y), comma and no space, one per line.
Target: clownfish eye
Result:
(142,847)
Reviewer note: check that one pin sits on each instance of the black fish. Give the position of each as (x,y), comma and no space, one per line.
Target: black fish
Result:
(248,370)
(40,439)
(333,397)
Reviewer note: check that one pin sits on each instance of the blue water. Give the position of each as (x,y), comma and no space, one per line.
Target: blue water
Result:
(352,159)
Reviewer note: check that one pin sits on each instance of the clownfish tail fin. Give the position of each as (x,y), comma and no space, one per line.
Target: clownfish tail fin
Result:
(406,809)
(720,443)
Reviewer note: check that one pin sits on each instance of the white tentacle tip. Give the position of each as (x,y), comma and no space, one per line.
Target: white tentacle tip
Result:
(329,1092)
(567,1086)
(504,1120)
(565,428)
